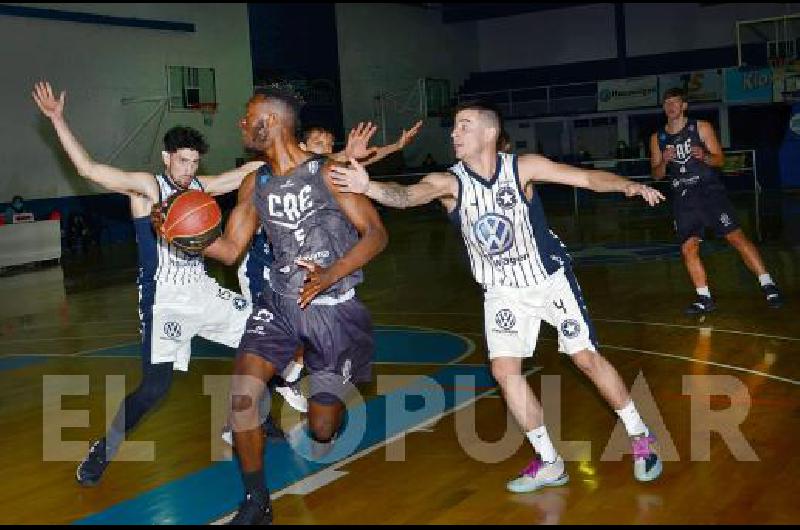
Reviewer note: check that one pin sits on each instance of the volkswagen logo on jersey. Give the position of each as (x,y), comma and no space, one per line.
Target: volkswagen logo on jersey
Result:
(172,330)
(239,303)
(570,328)
(313,167)
(225,294)
(505,319)
(506,198)
(495,233)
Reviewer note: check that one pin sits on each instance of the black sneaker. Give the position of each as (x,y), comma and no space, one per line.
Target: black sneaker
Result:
(253,512)
(773,295)
(703,304)
(90,471)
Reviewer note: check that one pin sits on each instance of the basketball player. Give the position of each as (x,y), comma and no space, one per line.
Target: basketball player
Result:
(687,151)
(320,240)
(254,271)
(177,298)
(525,272)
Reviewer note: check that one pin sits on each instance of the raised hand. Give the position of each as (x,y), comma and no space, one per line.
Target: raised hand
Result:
(50,106)
(406,137)
(358,140)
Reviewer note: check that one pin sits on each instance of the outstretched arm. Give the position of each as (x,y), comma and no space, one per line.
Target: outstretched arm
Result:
(355,179)
(240,228)
(230,180)
(373,239)
(538,168)
(358,141)
(111,178)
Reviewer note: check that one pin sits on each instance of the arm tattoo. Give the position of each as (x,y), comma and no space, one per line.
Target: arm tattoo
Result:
(391,194)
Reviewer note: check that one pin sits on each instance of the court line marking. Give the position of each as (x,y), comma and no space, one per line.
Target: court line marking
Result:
(420,427)
(701,361)
(641,322)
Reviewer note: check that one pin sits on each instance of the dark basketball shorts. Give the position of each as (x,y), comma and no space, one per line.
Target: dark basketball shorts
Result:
(337,338)
(701,209)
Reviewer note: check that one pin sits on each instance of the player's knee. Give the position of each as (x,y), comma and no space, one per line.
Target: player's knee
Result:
(587,361)
(502,371)
(322,429)
(152,392)
(690,248)
(241,403)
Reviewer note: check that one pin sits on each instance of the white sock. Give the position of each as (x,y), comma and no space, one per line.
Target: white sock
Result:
(633,422)
(292,372)
(765,279)
(703,291)
(542,444)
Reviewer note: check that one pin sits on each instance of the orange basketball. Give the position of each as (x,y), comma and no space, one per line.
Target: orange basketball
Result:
(192,220)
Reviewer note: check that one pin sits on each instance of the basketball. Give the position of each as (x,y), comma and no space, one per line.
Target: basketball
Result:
(192,220)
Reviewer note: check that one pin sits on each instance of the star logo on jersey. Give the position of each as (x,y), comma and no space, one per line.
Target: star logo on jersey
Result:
(506,198)
(263,179)
(240,303)
(313,167)
(570,328)
(505,319)
(495,233)
(172,330)
(725,220)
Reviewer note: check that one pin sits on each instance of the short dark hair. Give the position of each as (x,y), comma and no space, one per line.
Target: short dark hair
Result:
(283,92)
(184,138)
(675,92)
(308,131)
(486,109)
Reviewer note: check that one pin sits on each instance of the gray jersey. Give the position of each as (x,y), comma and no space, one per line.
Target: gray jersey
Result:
(302,220)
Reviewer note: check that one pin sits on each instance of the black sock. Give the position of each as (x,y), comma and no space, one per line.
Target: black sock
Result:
(254,485)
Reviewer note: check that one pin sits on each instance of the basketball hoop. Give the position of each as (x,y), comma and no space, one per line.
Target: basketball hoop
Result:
(207,109)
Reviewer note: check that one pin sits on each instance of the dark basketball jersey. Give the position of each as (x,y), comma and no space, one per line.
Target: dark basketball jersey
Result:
(686,172)
(302,220)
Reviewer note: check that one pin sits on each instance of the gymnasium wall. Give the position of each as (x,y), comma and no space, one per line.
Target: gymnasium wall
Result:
(588,33)
(388,47)
(99,64)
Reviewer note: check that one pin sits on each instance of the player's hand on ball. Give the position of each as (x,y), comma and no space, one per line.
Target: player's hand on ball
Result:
(651,195)
(318,279)
(157,217)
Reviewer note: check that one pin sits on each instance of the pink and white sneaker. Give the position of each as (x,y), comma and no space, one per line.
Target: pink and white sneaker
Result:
(539,474)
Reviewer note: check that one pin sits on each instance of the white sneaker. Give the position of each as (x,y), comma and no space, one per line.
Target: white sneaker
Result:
(293,396)
(539,474)
(646,463)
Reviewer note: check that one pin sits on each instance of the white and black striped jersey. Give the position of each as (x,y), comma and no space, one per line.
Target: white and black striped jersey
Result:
(159,261)
(507,238)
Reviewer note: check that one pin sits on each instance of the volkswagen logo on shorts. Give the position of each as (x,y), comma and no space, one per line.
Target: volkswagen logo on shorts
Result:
(172,330)
(239,303)
(505,319)
(570,328)
(495,233)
